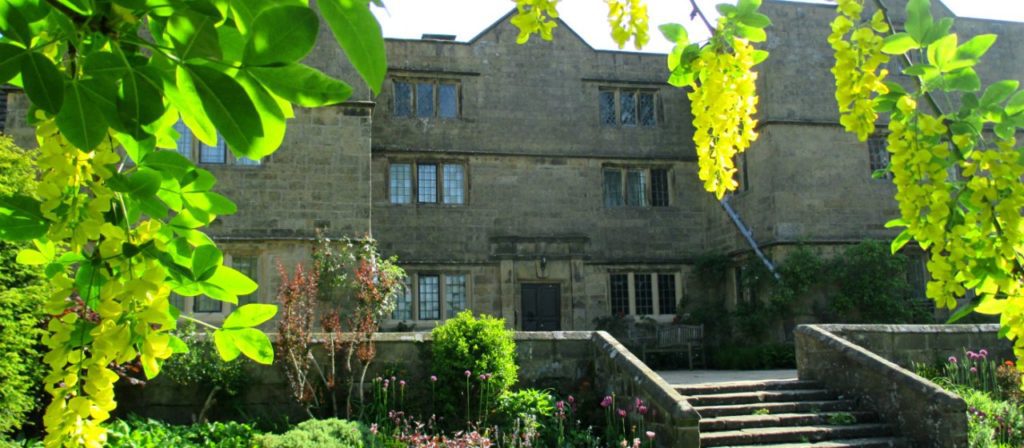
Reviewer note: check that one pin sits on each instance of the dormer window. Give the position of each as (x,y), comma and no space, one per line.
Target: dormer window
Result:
(426,98)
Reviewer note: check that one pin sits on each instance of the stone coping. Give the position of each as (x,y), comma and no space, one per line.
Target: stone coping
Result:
(917,329)
(424,336)
(882,366)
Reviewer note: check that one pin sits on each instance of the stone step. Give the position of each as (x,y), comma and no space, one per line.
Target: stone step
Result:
(793,434)
(764,396)
(734,422)
(871,442)
(775,408)
(745,386)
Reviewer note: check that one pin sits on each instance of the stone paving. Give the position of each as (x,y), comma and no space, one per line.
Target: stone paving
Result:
(676,377)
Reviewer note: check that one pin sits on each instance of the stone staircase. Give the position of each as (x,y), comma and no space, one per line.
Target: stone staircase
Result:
(783,413)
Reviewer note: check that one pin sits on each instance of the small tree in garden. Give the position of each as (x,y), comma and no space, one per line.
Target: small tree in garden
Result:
(204,369)
(349,278)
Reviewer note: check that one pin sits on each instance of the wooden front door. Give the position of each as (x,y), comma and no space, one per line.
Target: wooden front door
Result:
(541,306)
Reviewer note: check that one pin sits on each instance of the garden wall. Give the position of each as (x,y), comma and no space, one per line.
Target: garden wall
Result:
(871,361)
(587,364)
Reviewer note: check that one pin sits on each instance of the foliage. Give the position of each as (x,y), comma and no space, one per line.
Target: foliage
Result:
(871,286)
(326,433)
(136,432)
(349,278)
(202,367)
(464,346)
(534,17)
(712,269)
(628,19)
(102,75)
(527,405)
(970,224)
(991,422)
(22,292)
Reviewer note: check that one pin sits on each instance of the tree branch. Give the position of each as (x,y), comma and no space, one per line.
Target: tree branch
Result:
(698,13)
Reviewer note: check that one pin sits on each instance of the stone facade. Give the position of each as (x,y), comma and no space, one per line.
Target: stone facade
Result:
(533,157)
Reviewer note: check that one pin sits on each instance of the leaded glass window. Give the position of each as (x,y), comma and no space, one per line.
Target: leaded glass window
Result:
(403,99)
(636,188)
(644,294)
(666,294)
(448,101)
(627,109)
(619,294)
(612,188)
(659,188)
(247,266)
(184,139)
(401,183)
(429,297)
(426,178)
(454,294)
(216,154)
(607,103)
(453,182)
(645,108)
(425,99)
(403,305)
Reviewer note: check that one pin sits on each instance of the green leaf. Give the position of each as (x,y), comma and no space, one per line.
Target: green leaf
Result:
(898,222)
(302,85)
(971,51)
(230,109)
(10,61)
(141,184)
(963,312)
(232,281)
(919,19)
(899,43)
(82,7)
(756,20)
(169,162)
(271,111)
(937,30)
(901,240)
(674,33)
(281,35)
(184,96)
(760,56)
(747,6)
(31,257)
(13,24)
(245,11)
(44,84)
(250,315)
(193,34)
(80,119)
(20,219)
(750,33)
(999,92)
(205,260)
(140,100)
(88,281)
(357,31)
(254,344)
(1016,104)
(1005,131)
(941,52)
(177,345)
(726,10)
(963,80)
(226,345)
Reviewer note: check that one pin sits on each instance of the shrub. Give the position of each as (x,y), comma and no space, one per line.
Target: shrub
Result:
(203,367)
(764,356)
(326,433)
(477,346)
(21,296)
(872,286)
(136,432)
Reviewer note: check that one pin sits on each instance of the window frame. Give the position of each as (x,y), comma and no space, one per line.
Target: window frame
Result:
(195,150)
(878,153)
(623,200)
(413,82)
(440,192)
(654,282)
(443,309)
(617,99)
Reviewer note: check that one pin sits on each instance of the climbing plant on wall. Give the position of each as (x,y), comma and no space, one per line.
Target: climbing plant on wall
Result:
(117,220)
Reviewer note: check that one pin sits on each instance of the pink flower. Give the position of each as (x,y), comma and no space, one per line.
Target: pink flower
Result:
(650,435)
(571,400)
(433,378)
(983,353)
(386,382)
(642,410)
(483,377)
(560,405)
(373,428)
(952,360)
(467,373)
(622,413)
(607,401)
(401,383)
(974,370)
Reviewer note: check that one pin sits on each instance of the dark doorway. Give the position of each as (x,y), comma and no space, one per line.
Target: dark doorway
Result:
(541,306)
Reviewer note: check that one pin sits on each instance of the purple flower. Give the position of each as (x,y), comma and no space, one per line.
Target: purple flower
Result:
(642,410)
(392,378)
(571,399)
(386,382)
(560,405)
(467,373)
(483,377)
(433,378)
(622,413)
(974,370)
(983,353)
(650,435)
(952,360)
(401,383)
(607,401)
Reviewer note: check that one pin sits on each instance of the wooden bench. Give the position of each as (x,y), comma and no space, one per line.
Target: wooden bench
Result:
(688,339)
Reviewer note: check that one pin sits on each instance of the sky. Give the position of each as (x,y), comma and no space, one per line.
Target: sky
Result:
(467,18)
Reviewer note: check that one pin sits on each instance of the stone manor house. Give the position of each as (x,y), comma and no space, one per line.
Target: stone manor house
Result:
(551,183)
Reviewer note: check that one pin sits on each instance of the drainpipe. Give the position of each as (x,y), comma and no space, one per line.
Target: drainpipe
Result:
(749,236)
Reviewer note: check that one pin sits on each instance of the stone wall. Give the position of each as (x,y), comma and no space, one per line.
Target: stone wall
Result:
(588,364)
(921,411)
